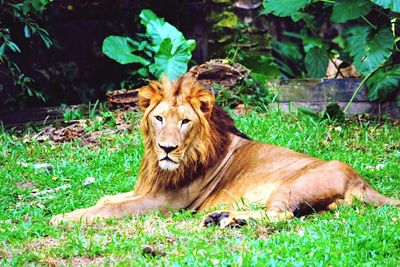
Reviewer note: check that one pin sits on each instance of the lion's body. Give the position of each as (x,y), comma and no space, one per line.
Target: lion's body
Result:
(285,180)
(196,159)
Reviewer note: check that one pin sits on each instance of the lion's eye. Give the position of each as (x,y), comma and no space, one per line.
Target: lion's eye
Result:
(185,121)
(159,118)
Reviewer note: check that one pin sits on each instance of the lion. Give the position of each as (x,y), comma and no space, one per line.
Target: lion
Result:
(195,158)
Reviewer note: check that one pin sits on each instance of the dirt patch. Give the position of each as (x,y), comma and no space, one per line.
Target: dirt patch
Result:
(68,134)
(5,254)
(78,131)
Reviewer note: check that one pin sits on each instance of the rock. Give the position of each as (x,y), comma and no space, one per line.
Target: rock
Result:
(89,180)
(335,70)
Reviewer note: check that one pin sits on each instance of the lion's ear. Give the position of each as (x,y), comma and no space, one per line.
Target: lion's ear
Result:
(204,100)
(147,94)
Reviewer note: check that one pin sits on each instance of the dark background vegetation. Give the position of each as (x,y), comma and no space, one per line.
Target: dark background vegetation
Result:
(274,39)
(74,70)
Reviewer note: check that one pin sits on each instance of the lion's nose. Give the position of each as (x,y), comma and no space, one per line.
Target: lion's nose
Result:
(168,149)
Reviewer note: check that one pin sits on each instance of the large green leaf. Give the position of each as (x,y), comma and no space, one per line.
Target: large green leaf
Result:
(2,49)
(316,61)
(191,44)
(173,51)
(146,15)
(383,83)
(158,30)
(120,49)
(345,10)
(170,62)
(393,5)
(369,48)
(283,8)
(297,16)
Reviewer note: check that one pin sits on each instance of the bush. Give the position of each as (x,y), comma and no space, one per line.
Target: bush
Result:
(369,39)
(250,93)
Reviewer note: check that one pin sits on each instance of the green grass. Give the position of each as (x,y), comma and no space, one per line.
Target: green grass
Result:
(359,235)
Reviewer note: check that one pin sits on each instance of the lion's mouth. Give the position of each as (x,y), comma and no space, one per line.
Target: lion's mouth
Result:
(169,159)
(168,164)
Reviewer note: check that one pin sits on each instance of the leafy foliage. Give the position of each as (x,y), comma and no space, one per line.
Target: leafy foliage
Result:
(316,62)
(120,49)
(383,83)
(369,48)
(25,14)
(345,10)
(288,56)
(369,42)
(249,93)
(169,60)
(163,51)
(284,8)
(158,30)
(393,5)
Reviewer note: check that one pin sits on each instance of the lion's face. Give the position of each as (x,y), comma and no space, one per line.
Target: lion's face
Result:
(174,128)
(175,118)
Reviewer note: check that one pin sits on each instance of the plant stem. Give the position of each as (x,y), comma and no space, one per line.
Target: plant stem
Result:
(328,1)
(356,91)
(369,23)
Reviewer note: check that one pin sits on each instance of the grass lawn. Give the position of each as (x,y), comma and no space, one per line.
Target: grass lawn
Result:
(358,235)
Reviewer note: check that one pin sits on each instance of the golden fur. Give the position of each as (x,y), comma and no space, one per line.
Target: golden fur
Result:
(195,158)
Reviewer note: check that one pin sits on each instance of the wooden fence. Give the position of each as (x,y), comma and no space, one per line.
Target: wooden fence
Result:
(315,94)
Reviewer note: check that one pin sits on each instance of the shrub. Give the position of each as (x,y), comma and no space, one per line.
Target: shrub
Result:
(369,39)
(25,14)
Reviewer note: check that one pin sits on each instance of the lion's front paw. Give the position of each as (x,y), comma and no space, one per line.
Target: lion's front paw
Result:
(56,220)
(224,219)
(74,216)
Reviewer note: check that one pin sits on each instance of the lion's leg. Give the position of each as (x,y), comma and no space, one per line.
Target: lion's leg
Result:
(115,209)
(331,185)
(347,200)
(336,204)
(117,197)
(323,188)
(240,218)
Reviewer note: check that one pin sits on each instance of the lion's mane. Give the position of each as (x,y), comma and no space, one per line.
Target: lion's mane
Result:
(210,146)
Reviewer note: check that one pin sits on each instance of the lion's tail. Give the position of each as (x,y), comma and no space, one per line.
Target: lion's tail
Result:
(377,199)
